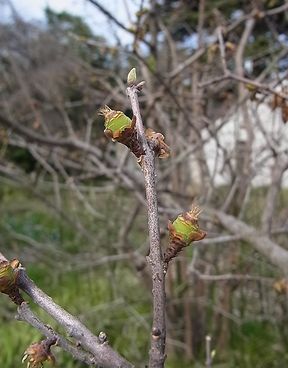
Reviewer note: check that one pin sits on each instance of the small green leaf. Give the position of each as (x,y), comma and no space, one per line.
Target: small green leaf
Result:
(184,228)
(131,78)
(119,123)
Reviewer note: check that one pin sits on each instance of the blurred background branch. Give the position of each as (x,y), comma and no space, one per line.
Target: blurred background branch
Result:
(73,203)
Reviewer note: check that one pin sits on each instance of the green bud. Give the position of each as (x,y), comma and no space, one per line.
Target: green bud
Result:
(115,122)
(121,128)
(8,280)
(186,227)
(7,277)
(182,232)
(132,76)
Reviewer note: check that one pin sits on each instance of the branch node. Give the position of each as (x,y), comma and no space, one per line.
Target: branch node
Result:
(140,86)
(102,338)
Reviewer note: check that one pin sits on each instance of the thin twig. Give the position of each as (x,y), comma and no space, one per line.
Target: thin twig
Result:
(208,362)
(222,50)
(25,314)
(249,82)
(100,354)
(116,21)
(103,354)
(158,335)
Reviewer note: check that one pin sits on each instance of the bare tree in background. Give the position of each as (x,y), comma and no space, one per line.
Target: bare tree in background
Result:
(217,90)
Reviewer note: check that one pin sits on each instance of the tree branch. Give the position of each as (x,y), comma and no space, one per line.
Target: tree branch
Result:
(116,21)
(158,334)
(272,251)
(249,82)
(25,314)
(103,354)
(280,165)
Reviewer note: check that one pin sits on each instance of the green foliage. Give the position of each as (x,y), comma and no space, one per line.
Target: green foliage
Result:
(100,295)
(72,30)
(68,23)
(251,338)
(108,297)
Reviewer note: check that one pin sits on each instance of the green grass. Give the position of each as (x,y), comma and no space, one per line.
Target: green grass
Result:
(111,297)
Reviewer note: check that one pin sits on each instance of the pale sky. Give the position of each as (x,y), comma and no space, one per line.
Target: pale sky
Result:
(34,10)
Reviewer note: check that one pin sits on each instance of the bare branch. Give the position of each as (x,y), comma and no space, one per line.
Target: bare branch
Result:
(116,21)
(25,314)
(158,334)
(281,164)
(103,354)
(272,251)
(222,50)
